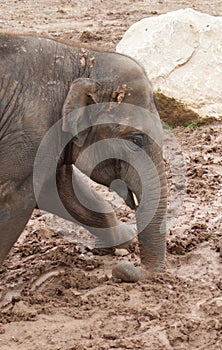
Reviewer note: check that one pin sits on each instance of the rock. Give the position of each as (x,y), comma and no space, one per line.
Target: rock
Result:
(181,52)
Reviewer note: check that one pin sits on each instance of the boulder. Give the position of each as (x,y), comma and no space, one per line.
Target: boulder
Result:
(181,52)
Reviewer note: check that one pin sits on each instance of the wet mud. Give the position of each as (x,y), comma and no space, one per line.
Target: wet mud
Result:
(57,291)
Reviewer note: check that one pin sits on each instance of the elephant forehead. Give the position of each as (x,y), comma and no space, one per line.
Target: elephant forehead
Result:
(108,128)
(115,120)
(124,113)
(119,131)
(125,129)
(120,125)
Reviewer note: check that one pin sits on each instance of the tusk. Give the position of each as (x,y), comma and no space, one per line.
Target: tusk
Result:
(135,200)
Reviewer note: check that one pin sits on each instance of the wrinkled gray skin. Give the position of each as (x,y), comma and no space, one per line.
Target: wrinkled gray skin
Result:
(42,81)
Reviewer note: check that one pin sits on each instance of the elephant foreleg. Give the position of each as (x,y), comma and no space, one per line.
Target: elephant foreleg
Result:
(16,205)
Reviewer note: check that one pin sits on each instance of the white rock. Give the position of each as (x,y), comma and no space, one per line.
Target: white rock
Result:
(181,52)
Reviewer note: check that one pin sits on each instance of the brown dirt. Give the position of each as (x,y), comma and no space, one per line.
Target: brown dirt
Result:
(55,293)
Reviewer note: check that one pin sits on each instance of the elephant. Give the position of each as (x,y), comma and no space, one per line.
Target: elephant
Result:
(95,99)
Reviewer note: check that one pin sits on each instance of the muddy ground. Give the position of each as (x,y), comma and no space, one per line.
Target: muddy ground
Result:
(55,293)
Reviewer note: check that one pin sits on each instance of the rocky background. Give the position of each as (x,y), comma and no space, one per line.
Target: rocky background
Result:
(55,292)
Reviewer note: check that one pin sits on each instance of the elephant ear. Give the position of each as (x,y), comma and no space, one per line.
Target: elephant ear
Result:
(82,92)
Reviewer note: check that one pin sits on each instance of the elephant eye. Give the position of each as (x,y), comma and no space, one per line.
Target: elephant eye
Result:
(137,142)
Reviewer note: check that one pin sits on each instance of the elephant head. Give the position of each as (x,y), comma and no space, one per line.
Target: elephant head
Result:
(118,142)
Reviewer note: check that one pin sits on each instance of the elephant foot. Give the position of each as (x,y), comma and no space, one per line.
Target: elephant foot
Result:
(127,272)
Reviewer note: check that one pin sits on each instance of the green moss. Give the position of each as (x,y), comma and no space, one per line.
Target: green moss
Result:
(168,126)
(193,125)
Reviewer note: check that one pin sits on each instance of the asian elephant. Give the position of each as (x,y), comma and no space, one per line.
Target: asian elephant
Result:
(93,97)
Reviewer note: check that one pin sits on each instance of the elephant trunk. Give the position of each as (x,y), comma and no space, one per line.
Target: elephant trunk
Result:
(151,192)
